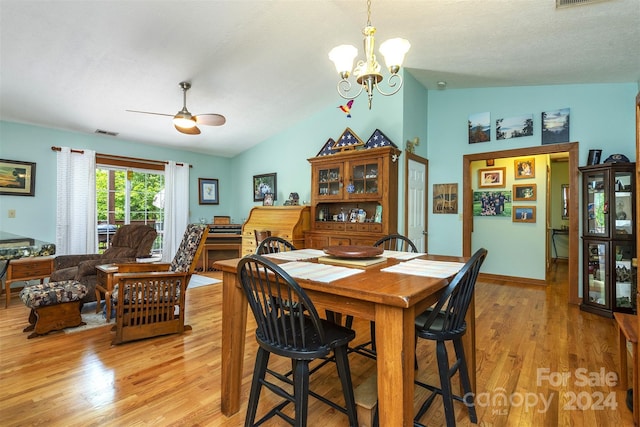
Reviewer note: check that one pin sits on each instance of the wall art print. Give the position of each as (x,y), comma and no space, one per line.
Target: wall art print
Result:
(524,192)
(264,184)
(555,126)
(492,203)
(514,127)
(479,127)
(208,191)
(524,214)
(491,178)
(524,168)
(445,198)
(17,178)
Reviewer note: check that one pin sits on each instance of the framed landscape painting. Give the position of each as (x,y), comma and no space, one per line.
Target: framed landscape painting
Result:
(17,178)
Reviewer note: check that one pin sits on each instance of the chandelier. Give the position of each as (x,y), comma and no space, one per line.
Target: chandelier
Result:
(367,71)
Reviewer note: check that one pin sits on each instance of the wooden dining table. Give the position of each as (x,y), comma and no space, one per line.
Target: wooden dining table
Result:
(392,300)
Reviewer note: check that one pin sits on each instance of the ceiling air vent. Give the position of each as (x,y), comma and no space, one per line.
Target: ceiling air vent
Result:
(106,132)
(569,3)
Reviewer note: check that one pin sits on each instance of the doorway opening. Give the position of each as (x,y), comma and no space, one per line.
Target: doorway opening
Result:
(571,149)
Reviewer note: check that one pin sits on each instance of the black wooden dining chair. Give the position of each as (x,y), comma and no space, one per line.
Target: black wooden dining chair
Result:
(443,322)
(396,242)
(274,244)
(391,242)
(288,325)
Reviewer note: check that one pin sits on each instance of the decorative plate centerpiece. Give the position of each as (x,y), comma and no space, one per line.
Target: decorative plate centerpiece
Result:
(353,251)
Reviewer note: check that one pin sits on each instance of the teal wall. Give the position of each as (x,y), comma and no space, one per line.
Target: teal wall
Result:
(36,216)
(287,153)
(602,116)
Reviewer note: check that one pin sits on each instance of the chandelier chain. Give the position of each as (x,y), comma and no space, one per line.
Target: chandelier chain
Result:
(368,13)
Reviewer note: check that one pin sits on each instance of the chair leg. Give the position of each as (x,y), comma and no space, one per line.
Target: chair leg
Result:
(259,372)
(467,398)
(344,372)
(301,390)
(445,383)
(372,327)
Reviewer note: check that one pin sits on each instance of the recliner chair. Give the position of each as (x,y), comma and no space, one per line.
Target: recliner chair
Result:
(130,241)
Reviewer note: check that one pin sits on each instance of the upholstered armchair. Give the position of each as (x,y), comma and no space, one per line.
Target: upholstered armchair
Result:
(129,242)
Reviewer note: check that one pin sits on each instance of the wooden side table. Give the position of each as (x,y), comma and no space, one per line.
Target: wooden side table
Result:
(104,285)
(25,269)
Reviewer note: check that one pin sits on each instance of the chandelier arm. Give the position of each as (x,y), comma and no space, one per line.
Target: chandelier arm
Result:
(344,86)
(391,81)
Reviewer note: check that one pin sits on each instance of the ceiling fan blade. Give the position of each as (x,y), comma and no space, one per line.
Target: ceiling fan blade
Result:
(148,112)
(210,119)
(189,131)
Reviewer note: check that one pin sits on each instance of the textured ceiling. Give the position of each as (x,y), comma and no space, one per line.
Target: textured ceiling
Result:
(78,65)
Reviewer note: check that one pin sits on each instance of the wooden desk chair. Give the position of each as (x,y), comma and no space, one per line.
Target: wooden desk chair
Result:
(273,244)
(261,235)
(628,331)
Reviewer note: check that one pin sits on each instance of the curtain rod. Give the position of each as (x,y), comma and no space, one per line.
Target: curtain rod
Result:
(114,157)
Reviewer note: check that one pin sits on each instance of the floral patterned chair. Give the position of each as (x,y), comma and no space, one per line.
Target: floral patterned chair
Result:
(152,303)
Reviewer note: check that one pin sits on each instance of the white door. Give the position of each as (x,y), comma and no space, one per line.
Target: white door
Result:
(417,202)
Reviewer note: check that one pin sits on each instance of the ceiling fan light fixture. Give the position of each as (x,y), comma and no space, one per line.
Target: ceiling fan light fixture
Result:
(184,120)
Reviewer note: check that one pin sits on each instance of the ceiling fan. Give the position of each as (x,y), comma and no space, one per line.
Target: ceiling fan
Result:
(184,121)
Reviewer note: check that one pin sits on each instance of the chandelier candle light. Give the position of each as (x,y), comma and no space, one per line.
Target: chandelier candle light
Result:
(367,71)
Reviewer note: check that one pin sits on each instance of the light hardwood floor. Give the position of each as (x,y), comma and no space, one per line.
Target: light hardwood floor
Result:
(525,335)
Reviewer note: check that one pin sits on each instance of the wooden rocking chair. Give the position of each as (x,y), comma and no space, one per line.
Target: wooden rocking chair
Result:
(150,298)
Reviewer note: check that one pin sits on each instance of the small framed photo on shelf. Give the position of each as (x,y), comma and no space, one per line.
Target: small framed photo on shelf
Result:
(267,200)
(525,168)
(264,184)
(491,178)
(524,192)
(524,214)
(208,191)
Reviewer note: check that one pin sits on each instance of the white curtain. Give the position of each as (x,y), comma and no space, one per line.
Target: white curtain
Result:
(76,231)
(176,207)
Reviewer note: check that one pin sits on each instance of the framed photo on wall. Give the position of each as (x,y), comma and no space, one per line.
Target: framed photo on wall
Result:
(524,168)
(17,178)
(491,178)
(524,192)
(524,214)
(264,184)
(208,191)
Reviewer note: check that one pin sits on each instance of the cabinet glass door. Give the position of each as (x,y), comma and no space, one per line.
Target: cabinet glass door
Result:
(330,182)
(624,286)
(364,180)
(622,209)
(597,273)
(596,203)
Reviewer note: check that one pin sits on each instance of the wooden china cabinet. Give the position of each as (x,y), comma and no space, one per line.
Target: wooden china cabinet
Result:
(354,197)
